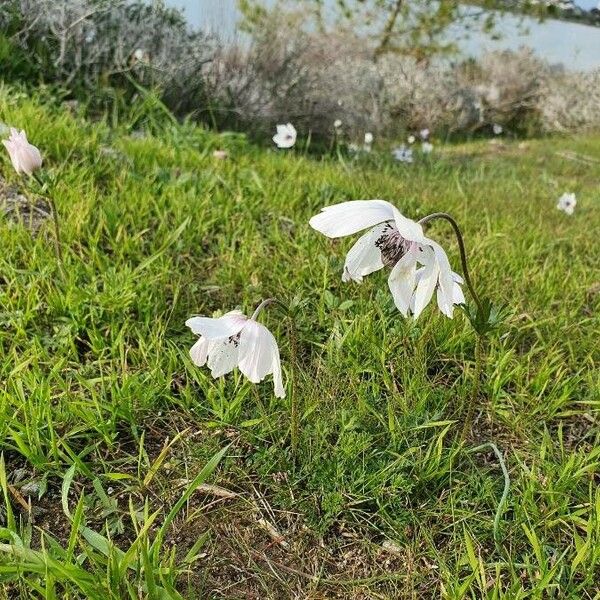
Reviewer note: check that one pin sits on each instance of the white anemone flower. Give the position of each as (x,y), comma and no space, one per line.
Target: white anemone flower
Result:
(235,340)
(424,133)
(426,148)
(567,203)
(285,136)
(411,139)
(498,129)
(368,138)
(337,124)
(419,265)
(403,154)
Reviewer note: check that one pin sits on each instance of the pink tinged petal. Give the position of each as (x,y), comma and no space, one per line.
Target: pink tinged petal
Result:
(347,218)
(259,355)
(364,257)
(199,352)
(425,287)
(228,325)
(402,282)
(223,356)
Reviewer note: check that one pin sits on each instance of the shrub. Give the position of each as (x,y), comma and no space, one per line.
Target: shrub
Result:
(91,45)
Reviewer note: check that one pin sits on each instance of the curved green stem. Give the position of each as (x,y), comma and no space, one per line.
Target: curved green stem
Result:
(472,402)
(461,247)
(504,496)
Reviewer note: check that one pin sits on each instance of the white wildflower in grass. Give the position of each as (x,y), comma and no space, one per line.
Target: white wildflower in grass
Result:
(497,129)
(403,154)
(25,157)
(411,139)
(567,203)
(235,340)
(368,138)
(285,136)
(424,133)
(220,154)
(353,148)
(419,266)
(426,148)
(337,124)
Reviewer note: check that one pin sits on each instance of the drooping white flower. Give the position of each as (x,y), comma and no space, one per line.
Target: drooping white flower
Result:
(411,139)
(567,203)
(25,157)
(498,129)
(368,138)
(426,147)
(235,340)
(419,265)
(285,136)
(403,154)
(337,124)
(424,133)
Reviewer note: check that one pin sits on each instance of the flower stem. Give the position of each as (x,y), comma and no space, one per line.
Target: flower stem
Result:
(461,247)
(57,240)
(262,305)
(56,222)
(472,402)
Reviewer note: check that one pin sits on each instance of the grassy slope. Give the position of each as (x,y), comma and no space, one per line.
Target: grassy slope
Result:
(97,375)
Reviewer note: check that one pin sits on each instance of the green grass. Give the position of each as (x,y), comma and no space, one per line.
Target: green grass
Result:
(105,423)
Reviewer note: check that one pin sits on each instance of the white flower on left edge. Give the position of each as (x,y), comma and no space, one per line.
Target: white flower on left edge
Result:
(235,340)
(285,136)
(567,203)
(419,265)
(25,157)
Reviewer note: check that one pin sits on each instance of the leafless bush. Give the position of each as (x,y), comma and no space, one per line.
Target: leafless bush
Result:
(570,102)
(288,73)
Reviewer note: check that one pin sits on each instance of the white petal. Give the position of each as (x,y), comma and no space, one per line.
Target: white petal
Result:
(402,281)
(407,228)
(229,324)
(223,356)
(445,304)
(364,257)
(425,287)
(458,296)
(199,352)
(259,355)
(445,275)
(347,218)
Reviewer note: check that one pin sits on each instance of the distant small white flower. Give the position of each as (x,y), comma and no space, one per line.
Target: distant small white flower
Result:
(411,139)
(426,148)
(497,129)
(424,133)
(403,154)
(285,136)
(220,154)
(141,55)
(567,203)
(368,138)
(337,124)
(235,340)
(396,242)
(353,148)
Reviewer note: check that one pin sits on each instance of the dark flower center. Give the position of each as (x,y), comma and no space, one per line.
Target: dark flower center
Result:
(391,245)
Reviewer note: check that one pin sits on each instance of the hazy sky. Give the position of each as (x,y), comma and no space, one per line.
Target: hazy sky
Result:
(576,46)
